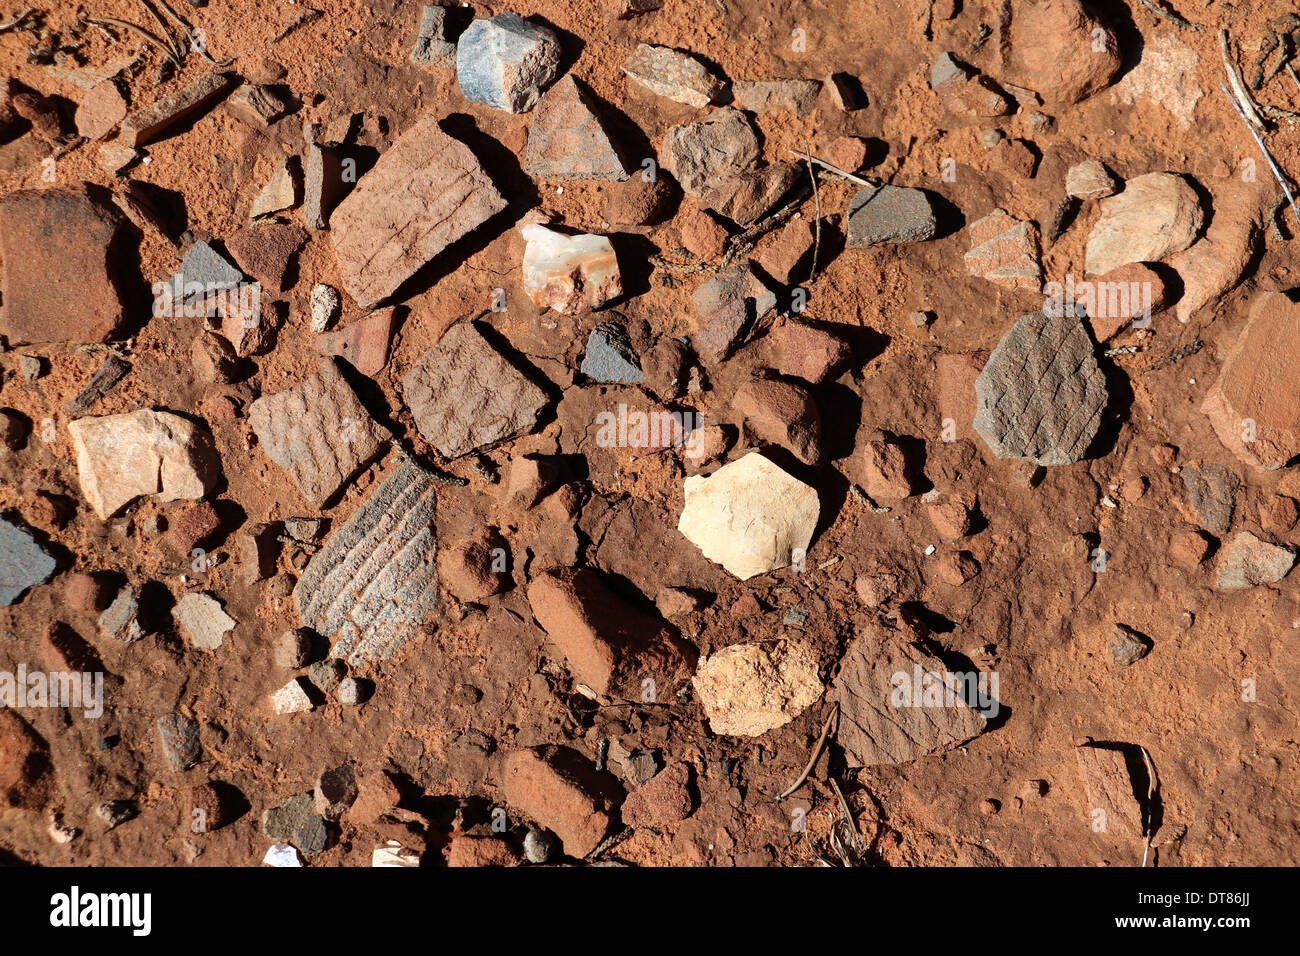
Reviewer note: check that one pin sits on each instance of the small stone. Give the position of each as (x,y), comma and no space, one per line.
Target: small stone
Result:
(812,353)
(1254,417)
(282,191)
(191,527)
(180,741)
(319,432)
(884,470)
(1134,291)
(678,76)
(153,121)
(991,137)
(31,367)
(702,235)
(292,698)
(607,644)
(258,106)
(662,801)
(725,330)
(1211,493)
(1216,263)
(1090,179)
(750,194)
(1157,215)
(1127,646)
(886,213)
(465,395)
(120,620)
(759,96)
(1062,50)
(116,812)
(609,356)
(1019,158)
(748,689)
(204,620)
(504,62)
(85,591)
(1278,514)
(203,273)
(562,790)
(781,413)
(952,515)
(325,675)
(846,92)
(280,823)
(571,274)
(469,851)
(336,790)
(114,157)
(204,810)
(1052,415)
(567,140)
(975,96)
(351,692)
(258,549)
(363,343)
(325,304)
(539,846)
(282,855)
(100,110)
(793,245)
(24,563)
(716,149)
(431,48)
(957,567)
(1112,807)
(678,602)
(749,516)
(1247,562)
(214,359)
(293,648)
(265,252)
(639,202)
(876,588)
(1004,251)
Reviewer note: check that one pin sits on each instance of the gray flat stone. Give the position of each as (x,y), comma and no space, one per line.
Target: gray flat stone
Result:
(23,562)
(890,214)
(610,357)
(1041,395)
(1211,492)
(203,272)
(1248,562)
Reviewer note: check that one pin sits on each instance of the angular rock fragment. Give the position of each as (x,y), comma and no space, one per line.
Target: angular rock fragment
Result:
(607,643)
(748,689)
(1254,407)
(1211,492)
(204,620)
(1041,394)
(204,274)
(1113,808)
(425,192)
(464,394)
(898,703)
(570,274)
(323,186)
(1247,562)
(812,353)
(567,140)
(678,76)
(432,48)
(336,790)
(264,252)
(151,122)
(179,737)
(725,331)
(258,106)
(364,343)
(609,356)
(1062,50)
(719,147)
(1155,216)
(1004,251)
(782,413)
(1126,646)
(640,201)
(504,62)
(478,568)
(1090,179)
(883,469)
(751,193)
(100,110)
(661,801)
(114,157)
(886,213)
(325,305)
(319,432)
(282,191)
(1216,263)
(749,516)
(121,457)
(564,792)
(120,620)
(784,258)
(56,248)
(374,582)
(292,698)
(24,564)
(739,284)
(757,96)
(964,91)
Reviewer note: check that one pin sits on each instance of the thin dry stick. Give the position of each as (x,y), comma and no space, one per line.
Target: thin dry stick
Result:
(1272,164)
(816,754)
(6,27)
(817,229)
(190,36)
(1246,104)
(1153,787)
(165,48)
(178,51)
(833,169)
(1169,15)
(1290,70)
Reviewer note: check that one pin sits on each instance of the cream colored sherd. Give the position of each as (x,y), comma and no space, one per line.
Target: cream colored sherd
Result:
(750,516)
(748,689)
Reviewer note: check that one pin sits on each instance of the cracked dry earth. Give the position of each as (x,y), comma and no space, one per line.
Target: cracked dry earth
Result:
(396,571)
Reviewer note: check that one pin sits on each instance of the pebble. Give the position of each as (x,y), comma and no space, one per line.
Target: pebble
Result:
(609,356)
(351,691)
(705,153)
(505,61)
(1005,251)
(1127,646)
(539,846)
(879,214)
(1045,40)
(432,49)
(673,74)
(120,621)
(180,741)
(1157,215)
(326,674)
(1247,562)
(204,620)
(781,413)
(282,191)
(561,789)
(568,140)
(292,698)
(1090,179)
(748,689)
(570,274)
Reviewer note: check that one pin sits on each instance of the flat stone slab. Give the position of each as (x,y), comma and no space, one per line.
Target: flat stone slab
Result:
(464,394)
(374,582)
(1041,394)
(319,432)
(886,716)
(879,214)
(58,284)
(23,562)
(567,139)
(610,357)
(1247,562)
(204,620)
(151,122)
(678,76)
(1004,250)
(1113,808)
(426,192)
